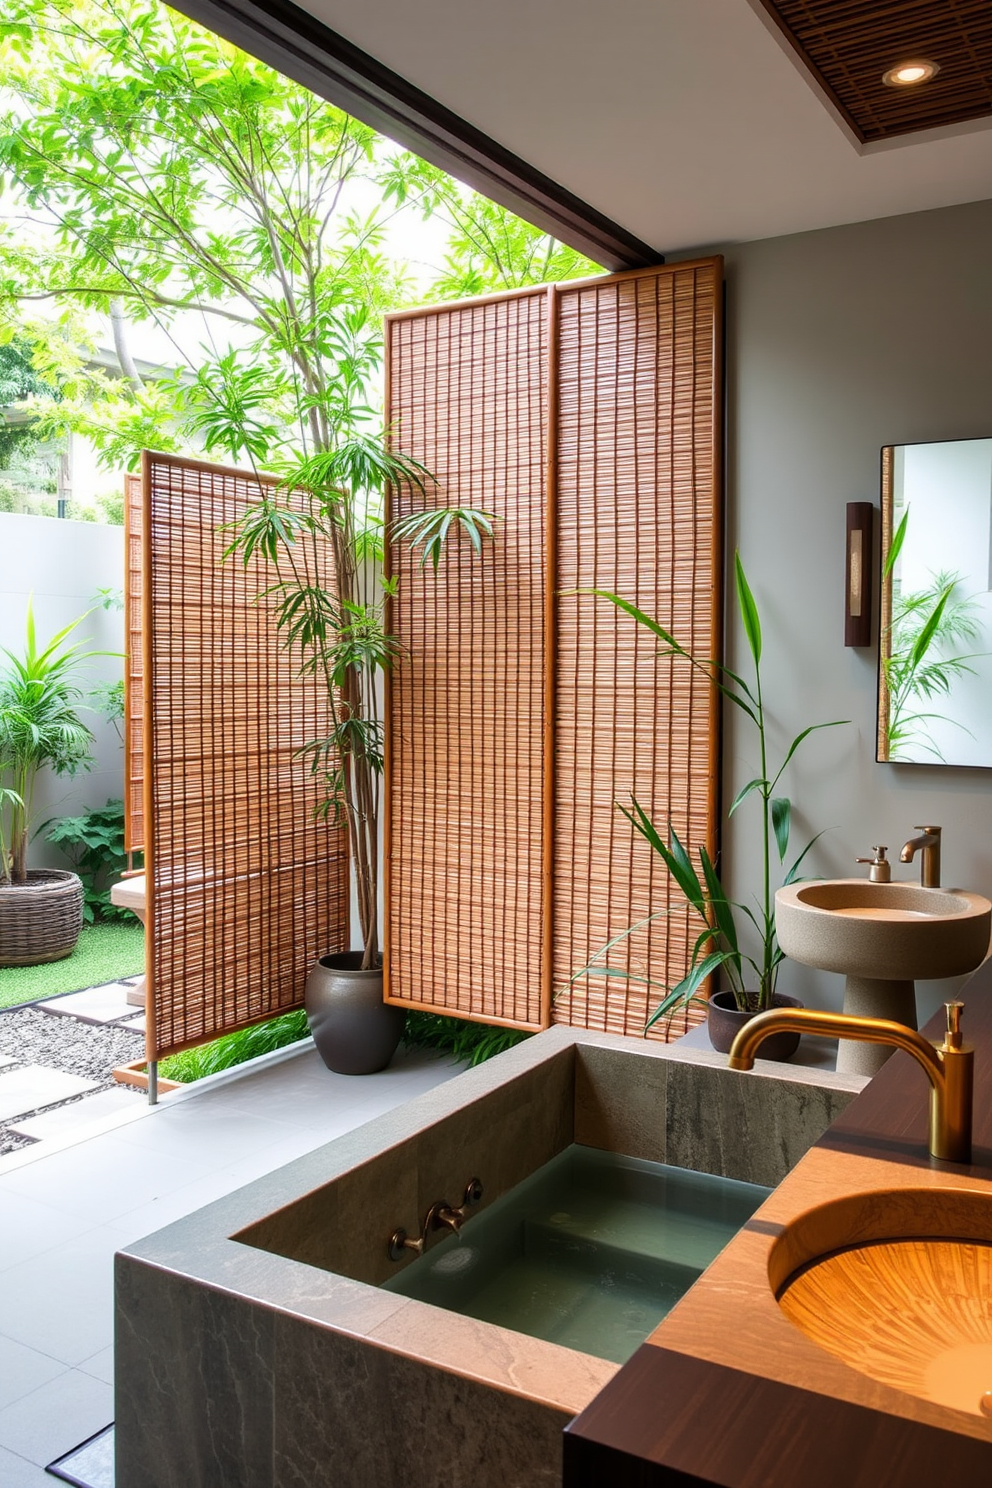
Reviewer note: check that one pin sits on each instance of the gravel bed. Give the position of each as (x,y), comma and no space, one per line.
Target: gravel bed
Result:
(12,1141)
(90,1050)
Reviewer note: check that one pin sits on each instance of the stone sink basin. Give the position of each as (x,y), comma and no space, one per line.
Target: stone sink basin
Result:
(883,938)
(897,1285)
(892,931)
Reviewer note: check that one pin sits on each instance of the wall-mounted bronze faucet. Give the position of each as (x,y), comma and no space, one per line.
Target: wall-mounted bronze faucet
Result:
(440,1216)
(928,845)
(949,1065)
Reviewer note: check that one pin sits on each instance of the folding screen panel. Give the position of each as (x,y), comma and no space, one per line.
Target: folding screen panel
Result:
(246,886)
(134,703)
(522,712)
(466,848)
(637,507)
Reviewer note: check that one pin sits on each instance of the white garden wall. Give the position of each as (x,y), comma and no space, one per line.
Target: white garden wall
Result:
(64,564)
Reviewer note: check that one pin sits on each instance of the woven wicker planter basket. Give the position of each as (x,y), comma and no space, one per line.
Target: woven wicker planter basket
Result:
(40,920)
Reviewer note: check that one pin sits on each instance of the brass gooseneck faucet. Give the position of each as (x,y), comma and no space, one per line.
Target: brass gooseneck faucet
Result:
(928,845)
(949,1065)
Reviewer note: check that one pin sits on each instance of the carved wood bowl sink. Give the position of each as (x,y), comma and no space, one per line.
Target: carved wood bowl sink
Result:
(898,1285)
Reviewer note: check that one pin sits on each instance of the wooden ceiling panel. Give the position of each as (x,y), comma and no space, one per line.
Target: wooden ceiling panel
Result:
(849,45)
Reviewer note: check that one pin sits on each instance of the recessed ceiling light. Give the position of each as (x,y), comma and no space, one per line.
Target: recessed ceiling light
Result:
(910,74)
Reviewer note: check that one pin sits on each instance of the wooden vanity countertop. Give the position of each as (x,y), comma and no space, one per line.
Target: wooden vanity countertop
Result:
(728,1392)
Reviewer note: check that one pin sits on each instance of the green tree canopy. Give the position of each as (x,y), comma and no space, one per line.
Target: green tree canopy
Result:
(154,173)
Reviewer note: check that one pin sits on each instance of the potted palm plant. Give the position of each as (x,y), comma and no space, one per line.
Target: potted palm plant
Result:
(751,978)
(41,910)
(342,638)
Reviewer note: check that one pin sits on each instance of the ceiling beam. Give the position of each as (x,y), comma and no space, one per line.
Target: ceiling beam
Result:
(301,47)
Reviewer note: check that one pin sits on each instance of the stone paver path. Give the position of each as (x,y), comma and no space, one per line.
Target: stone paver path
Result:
(56,1059)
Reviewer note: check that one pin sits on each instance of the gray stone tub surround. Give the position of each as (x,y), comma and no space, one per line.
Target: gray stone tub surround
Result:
(256,1350)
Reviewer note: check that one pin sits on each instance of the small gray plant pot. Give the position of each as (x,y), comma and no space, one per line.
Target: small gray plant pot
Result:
(356,1033)
(724,1021)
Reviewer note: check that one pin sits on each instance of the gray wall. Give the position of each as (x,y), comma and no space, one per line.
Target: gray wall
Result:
(839,342)
(63,564)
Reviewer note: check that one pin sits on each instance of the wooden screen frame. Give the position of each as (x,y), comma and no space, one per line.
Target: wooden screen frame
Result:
(554,295)
(333,929)
(545,293)
(134,817)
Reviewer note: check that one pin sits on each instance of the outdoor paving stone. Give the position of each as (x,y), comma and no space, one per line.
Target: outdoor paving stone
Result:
(101,1365)
(102,1177)
(29,1228)
(96,1004)
(78,1114)
(62,1305)
(28,1089)
(57,1417)
(17,1472)
(23,1369)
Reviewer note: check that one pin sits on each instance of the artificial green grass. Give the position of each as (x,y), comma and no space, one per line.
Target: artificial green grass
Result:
(103,953)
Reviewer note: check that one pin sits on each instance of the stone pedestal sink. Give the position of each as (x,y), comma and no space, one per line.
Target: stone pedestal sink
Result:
(897,1285)
(883,938)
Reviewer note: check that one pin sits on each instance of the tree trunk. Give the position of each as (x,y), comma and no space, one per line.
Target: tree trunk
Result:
(125,360)
(19,866)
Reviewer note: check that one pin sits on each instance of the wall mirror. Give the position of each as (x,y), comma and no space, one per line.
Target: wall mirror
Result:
(935,638)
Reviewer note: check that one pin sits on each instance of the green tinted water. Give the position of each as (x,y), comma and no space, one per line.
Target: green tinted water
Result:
(590,1252)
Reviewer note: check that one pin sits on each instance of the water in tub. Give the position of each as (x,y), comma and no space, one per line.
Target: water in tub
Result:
(591,1251)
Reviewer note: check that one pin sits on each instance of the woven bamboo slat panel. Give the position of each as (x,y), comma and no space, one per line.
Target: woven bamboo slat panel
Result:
(465,770)
(849,46)
(134,702)
(247,886)
(638,515)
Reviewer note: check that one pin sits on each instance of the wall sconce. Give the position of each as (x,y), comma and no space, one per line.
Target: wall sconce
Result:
(858,586)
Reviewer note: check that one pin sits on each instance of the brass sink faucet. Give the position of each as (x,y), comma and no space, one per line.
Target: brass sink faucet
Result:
(929,846)
(949,1065)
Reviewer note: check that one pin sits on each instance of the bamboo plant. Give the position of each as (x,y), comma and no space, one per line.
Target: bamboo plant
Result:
(39,728)
(719,944)
(341,636)
(916,666)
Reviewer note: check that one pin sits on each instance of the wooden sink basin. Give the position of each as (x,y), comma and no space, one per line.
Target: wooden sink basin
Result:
(899,1286)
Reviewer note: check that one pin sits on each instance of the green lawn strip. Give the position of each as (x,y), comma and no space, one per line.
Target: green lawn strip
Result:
(104,952)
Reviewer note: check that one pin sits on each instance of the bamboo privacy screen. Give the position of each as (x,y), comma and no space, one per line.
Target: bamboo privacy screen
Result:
(246,887)
(466,845)
(134,703)
(522,712)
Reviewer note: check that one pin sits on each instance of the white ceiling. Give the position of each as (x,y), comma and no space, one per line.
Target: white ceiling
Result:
(688,122)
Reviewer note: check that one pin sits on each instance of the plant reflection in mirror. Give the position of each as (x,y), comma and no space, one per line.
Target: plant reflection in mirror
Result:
(718,945)
(926,626)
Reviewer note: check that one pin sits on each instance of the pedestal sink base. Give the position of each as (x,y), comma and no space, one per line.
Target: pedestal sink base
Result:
(871,997)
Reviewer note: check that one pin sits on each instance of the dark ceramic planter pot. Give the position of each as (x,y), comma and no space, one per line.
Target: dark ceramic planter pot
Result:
(354,1030)
(724,1022)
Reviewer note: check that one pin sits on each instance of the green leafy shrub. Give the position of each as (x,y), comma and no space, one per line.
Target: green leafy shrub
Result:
(458,1038)
(472,1043)
(39,729)
(94,844)
(235,1048)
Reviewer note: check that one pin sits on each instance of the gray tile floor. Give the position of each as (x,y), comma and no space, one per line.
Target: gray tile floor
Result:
(64,1210)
